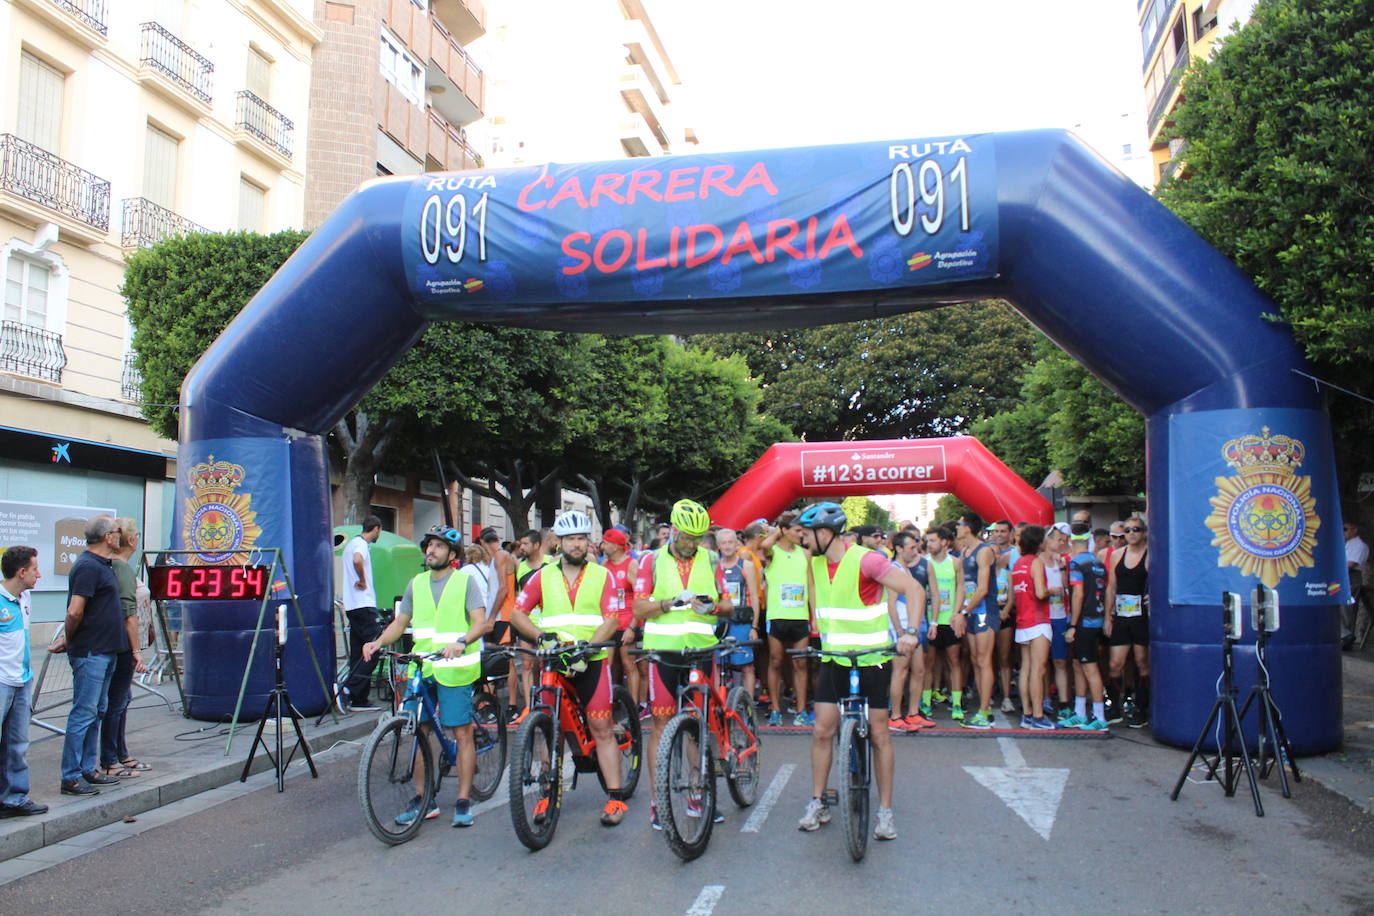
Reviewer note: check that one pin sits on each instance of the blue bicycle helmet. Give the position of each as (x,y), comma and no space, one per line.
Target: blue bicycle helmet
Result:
(824,515)
(450,536)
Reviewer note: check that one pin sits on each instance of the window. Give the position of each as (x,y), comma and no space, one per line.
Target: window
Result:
(1126,149)
(259,76)
(252,204)
(160,168)
(40,103)
(27,285)
(402,69)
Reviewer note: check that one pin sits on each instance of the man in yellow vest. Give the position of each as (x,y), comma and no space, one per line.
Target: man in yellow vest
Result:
(447,611)
(679,594)
(577,603)
(788,577)
(851,614)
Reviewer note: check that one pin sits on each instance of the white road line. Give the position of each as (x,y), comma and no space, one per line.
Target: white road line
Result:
(1011,753)
(706,901)
(770,798)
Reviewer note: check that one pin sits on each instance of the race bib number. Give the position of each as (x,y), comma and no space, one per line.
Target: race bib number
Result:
(1002,587)
(734,588)
(792,595)
(1056,606)
(1128,605)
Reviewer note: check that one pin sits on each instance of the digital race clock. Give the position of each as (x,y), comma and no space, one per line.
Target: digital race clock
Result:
(207,583)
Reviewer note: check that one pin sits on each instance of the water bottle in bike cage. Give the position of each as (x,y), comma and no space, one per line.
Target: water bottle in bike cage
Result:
(854,678)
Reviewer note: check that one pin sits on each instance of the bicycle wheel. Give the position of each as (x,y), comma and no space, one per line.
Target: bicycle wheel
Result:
(535,781)
(489,736)
(743,776)
(386,775)
(852,757)
(684,790)
(628,736)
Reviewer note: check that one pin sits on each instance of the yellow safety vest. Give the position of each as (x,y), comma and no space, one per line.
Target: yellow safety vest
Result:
(685,629)
(845,622)
(437,626)
(786,575)
(572,619)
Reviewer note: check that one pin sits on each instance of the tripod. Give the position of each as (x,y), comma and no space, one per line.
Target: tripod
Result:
(1271,732)
(279,706)
(1225,706)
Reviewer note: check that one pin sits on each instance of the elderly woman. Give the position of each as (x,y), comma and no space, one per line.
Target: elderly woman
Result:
(115,759)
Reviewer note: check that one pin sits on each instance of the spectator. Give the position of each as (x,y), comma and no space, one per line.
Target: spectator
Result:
(1356,558)
(115,759)
(92,636)
(364,617)
(19,566)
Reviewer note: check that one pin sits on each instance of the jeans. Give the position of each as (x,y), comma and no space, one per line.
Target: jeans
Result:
(14,743)
(363,627)
(91,677)
(1351,610)
(112,746)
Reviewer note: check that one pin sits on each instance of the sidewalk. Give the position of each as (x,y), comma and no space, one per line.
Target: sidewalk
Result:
(187,757)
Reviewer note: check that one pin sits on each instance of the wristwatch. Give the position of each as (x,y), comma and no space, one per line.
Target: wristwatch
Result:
(910,631)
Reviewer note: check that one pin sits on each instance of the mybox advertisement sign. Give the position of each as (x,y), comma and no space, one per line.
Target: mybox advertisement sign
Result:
(59,533)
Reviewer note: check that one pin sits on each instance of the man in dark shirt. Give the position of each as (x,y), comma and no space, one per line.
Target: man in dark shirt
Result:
(93,636)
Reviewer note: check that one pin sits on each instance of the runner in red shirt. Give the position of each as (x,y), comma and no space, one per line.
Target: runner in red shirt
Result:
(623,569)
(1033,632)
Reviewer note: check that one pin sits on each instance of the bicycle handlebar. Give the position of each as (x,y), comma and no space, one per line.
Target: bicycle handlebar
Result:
(725,645)
(809,652)
(578,648)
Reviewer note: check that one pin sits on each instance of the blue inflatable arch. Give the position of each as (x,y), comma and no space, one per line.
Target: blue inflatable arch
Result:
(1239,455)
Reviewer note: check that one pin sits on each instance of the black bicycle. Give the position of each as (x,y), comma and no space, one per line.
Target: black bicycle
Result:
(398,760)
(853,751)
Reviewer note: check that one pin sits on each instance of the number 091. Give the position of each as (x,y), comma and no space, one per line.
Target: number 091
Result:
(922,194)
(444,227)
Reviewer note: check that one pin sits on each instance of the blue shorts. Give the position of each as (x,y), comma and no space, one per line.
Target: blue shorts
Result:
(992,622)
(745,656)
(1059,647)
(455,703)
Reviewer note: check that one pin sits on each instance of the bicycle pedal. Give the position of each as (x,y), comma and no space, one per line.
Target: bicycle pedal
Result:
(830,798)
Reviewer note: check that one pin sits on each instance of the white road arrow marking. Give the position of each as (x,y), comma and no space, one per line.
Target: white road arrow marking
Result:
(1033,793)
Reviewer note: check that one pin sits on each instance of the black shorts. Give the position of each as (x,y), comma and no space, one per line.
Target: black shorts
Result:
(874,683)
(1131,631)
(1087,642)
(944,637)
(789,632)
(499,629)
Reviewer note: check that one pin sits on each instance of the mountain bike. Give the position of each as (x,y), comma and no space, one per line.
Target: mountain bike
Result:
(853,752)
(557,721)
(398,749)
(712,734)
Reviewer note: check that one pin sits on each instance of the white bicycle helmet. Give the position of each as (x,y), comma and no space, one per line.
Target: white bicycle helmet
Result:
(573,522)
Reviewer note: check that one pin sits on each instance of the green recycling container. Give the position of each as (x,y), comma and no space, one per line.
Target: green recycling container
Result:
(395,561)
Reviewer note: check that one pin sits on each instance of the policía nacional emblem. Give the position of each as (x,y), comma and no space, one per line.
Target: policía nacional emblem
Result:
(217,519)
(1264,519)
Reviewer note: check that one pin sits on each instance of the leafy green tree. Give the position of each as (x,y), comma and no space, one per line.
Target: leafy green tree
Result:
(1278,163)
(860,510)
(948,509)
(916,375)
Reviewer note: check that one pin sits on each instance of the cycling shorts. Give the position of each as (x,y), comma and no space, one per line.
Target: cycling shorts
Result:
(874,683)
(593,688)
(455,703)
(789,632)
(667,680)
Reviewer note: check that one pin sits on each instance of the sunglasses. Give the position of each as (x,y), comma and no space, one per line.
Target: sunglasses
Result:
(1134,530)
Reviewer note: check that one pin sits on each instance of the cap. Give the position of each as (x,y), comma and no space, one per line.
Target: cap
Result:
(621,528)
(1063,528)
(865,531)
(759,521)
(615,536)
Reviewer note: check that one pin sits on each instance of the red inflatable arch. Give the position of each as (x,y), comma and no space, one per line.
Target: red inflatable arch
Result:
(831,470)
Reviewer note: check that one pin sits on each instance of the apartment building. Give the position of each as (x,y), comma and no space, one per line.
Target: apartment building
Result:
(121,123)
(1172,33)
(393,90)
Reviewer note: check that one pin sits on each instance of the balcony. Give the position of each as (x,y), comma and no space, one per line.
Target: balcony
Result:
(88,16)
(466,20)
(31,351)
(636,139)
(33,173)
(164,57)
(449,145)
(130,380)
(452,68)
(145,224)
(263,129)
(1164,101)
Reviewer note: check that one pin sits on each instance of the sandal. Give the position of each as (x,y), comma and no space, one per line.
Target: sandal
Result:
(129,763)
(119,772)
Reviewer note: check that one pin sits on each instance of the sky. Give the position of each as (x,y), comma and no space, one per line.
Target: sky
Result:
(769,73)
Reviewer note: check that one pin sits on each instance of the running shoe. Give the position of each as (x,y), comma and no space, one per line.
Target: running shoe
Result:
(1065,713)
(939,696)
(775,718)
(644,711)
(653,817)
(814,815)
(1093,725)
(957,713)
(341,699)
(1027,722)
(1138,718)
(885,829)
(1074,721)
(1043,724)
(804,719)
(915,723)
(1008,706)
(897,725)
(927,710)
(1048,707)
(614,812)
(1114,716)
(521,718)
(979,720)
(462,813)
(541,810)
(412,812)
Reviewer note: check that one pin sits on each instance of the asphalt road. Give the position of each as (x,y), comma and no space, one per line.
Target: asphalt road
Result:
(980,829)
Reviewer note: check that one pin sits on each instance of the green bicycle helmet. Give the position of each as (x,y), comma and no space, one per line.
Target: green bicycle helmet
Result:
(690,517)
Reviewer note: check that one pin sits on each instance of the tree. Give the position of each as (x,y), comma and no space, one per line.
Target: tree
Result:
(1278,160)
(860,510)
(948,509)
(917,375)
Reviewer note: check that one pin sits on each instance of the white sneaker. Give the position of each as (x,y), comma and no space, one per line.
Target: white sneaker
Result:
(1007,705)
(815,815)
(885,829)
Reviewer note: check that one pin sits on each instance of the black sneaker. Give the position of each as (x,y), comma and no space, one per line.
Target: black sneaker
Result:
(78,787)
(365,706)
(1138,718)
(98,779)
